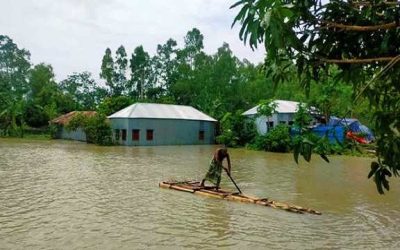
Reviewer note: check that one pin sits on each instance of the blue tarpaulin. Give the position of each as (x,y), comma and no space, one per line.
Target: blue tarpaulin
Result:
(353,125)
(334,133)
(336,128)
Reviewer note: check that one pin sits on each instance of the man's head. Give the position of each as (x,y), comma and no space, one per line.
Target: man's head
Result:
(222,153)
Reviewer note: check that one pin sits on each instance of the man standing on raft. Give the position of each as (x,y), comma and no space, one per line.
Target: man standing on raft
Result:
(214,172)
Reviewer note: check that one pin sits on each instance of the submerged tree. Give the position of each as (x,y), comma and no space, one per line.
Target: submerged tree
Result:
(361,37)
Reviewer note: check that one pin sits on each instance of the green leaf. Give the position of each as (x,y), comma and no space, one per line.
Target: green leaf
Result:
(306,152)
(238,3)
(285,12)
(386,172)
(324,157)
(386,184)
(374,167)
(240,15)
(296,152)
(378,183)
(267,19)
(307,141)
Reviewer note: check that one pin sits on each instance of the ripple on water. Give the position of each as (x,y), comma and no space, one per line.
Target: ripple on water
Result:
(72,195)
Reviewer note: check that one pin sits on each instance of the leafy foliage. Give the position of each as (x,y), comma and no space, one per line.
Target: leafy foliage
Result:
(216,83)
(96,128)
(140,65)
(107,70)
(111,105)
(363,41)
(82,89)
(236,130)
(266,108)
(305,142)
(276,140)
(14,68)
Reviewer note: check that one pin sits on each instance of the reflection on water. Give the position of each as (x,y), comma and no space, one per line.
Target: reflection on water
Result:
(62,194)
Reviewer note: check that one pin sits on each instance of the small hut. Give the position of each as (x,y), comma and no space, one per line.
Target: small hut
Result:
(161,124)
(62,121)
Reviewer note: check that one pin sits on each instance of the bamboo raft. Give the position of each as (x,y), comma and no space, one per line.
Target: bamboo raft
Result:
(194,188)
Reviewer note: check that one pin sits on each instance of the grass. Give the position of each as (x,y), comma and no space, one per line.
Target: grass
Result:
(43,136)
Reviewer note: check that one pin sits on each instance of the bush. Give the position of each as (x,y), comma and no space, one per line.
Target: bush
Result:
(236,130)
(276,140)
(96,128)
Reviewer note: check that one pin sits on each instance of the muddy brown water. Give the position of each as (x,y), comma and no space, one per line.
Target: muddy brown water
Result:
(70,195)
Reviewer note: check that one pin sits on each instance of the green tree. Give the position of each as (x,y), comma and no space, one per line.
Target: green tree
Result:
(360,37)
(250,86)
(236,130)
(14,73)
(14,67)
(84,90)
(43,96)
(140,66)
(165,64)
(11,117)
(121,64)
(107,70)
(266,108)
(113,104)
(193,45)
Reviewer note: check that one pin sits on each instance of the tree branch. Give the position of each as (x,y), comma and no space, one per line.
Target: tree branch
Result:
(357,60)
(367,3)
(385,26)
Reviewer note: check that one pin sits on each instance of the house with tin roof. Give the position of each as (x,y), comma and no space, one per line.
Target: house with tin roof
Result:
(161,124)
(284,114)
(63,120)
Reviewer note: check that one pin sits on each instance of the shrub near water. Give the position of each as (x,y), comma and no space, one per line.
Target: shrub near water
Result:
(236,130)
(97,128)
(277,140)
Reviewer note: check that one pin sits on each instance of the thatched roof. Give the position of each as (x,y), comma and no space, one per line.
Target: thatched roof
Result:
(64,119)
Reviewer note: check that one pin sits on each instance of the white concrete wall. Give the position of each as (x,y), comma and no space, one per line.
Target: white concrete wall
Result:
(261,121)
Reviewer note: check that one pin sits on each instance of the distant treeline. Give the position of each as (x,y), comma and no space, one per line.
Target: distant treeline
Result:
(217,84)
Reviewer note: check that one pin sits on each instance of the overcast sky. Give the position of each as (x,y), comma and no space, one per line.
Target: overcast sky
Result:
(72,35)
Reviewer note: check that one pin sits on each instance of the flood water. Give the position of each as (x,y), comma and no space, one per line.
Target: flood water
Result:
(70,195)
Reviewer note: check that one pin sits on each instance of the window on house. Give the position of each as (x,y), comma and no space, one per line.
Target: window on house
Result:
(270,125)
(123,134)
(149,135)
(201,135)
(282,122)
(116,134)
(135,134)
(290,123)
(201,126)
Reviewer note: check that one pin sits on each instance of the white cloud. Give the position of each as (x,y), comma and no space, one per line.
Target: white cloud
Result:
(72,35)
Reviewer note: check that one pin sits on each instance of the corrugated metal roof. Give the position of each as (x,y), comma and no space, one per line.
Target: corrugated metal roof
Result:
(282,107)
(161,111)
(64,119)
